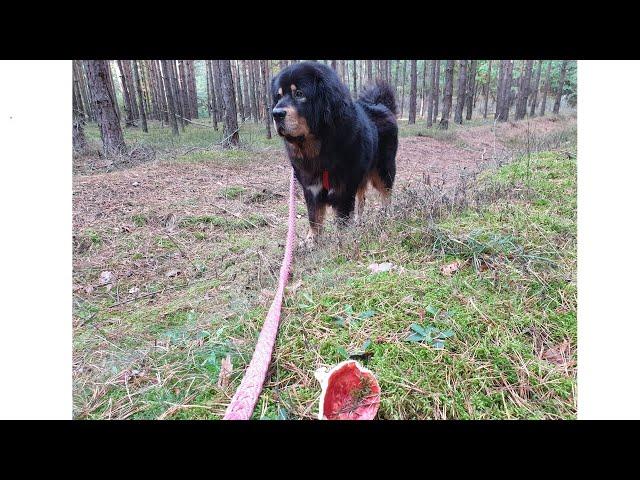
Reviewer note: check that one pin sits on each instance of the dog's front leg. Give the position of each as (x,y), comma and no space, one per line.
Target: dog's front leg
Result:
(315,211)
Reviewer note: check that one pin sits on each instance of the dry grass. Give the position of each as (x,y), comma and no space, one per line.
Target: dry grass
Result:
(194,246)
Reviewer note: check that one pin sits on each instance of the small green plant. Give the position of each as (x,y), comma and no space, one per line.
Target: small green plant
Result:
(232,192)
(350,317)
(139,220)
(93,236)
(429,334)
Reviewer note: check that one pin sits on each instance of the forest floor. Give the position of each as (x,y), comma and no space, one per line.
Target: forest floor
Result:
(177,253)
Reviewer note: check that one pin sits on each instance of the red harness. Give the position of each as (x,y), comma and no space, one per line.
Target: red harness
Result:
(325,180)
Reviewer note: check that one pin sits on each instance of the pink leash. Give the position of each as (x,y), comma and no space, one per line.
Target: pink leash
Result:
(246,397)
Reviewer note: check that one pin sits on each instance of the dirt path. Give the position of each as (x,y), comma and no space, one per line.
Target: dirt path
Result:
(129,221)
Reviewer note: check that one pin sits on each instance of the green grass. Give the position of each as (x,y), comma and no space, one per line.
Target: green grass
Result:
(161,137)
(488,368)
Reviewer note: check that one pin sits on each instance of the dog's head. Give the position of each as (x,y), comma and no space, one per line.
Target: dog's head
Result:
(308,99)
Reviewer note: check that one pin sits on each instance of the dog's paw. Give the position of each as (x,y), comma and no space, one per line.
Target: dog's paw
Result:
(308,243)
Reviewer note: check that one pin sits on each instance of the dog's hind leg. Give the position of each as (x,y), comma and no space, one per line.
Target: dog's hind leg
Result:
(383,183)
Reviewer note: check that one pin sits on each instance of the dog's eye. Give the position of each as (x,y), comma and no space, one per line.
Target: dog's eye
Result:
(299,94)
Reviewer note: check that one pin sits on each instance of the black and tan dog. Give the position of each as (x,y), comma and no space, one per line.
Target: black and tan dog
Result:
(336,145)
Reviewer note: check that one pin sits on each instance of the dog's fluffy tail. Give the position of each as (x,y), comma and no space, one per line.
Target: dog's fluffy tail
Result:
(380,93)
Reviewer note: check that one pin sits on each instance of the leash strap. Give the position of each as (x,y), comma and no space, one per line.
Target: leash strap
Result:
(247,394)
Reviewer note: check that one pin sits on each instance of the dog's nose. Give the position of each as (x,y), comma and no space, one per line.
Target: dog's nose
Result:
(279,113)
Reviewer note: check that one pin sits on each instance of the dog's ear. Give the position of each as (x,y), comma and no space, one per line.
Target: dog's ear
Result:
(332,107)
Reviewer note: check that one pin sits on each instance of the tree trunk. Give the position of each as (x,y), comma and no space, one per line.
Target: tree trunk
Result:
(177,95)
(404,81)
(167,80)
(78,140)
(563,74)
(126,93)
(471,87)
(523,90)
(508,81)
(143,116)
(432,94)
(369,64)
(448,95)
(239,91)
(500,88)
(98,75)
(252,88)
(423,96)
(230,131)
(193,87)
(355,83)
(462,91)
(436,93)
(536,86)
(487,90)
(245,88)
(183,90)
(334,65)
(212,98)
(265,96)
(547,84)
(413,92)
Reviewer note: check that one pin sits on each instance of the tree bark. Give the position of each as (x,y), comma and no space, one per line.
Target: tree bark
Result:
(183,89)
(252,91)
(413,92)
(230,130)
(423,95)
(193,88)
(334,65)
(369,64)
(536,86)
(177,95)
(252,88)
(126,93)
(436,94)
(448,95)
(523,90)
(487,90)
(245,88)
(98,75)
(355,83)
(471,87)
(432,95)
(563,74)
(404,81)
(265,96)
(212,96)
(239,90)
(167,80)
(462,92)
(143,115)
(547,84)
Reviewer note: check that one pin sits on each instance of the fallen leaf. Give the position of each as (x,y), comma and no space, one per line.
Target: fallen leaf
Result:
(134,290)
(380,267)
(559,355)
(450,268)
(106,277)
(89,289)
(172,273)
(226,367)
